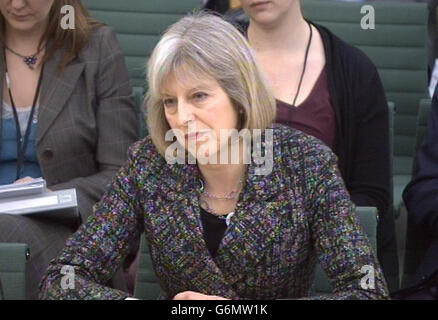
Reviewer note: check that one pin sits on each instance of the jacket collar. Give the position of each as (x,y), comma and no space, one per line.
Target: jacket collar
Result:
(56,88)
(253,226)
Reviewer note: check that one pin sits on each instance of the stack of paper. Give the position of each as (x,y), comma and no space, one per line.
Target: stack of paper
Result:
(37,186)
(34,199)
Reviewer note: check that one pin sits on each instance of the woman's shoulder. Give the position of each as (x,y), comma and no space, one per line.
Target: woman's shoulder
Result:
(348,54)
(102,32)
(102,44)
(144,150)
(151,168)
(148,165)
(300,157)
(292,138)
(295,146)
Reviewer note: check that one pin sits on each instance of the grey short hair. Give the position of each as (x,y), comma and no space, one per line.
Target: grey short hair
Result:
(203,44)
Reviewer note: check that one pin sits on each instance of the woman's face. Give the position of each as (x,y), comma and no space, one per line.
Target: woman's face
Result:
(26,15)
(200,109)
(268,11)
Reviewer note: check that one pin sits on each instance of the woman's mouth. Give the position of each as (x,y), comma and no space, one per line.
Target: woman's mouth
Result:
(259,5)
(195,136)
(20,17)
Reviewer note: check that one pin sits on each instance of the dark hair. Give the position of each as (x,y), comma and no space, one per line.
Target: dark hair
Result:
(71,40)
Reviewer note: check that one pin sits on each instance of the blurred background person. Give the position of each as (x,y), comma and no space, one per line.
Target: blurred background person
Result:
(421,199)
(68,115)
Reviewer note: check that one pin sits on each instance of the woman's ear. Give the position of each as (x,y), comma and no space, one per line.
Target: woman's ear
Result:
(242,117)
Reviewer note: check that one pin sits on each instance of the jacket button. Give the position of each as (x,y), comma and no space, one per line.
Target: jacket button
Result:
(48,154)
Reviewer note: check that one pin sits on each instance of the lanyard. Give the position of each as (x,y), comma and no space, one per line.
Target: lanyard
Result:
(22,141)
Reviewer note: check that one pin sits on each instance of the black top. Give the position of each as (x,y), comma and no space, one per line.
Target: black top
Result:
(362,135)
(213,229)
(421,199)
(362,139)
(362,124)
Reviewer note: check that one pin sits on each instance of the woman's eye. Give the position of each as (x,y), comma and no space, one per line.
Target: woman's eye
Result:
(169,102)
(200,96)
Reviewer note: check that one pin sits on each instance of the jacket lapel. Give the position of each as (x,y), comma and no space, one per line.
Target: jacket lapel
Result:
(253,226)
(200,271)
(56,88)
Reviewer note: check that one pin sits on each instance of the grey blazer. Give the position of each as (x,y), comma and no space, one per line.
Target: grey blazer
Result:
(86,119)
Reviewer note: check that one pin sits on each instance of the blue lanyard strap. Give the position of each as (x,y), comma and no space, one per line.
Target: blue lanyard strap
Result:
(22,141)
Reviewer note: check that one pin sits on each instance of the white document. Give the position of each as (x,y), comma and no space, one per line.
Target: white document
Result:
(58,204)
(36,186)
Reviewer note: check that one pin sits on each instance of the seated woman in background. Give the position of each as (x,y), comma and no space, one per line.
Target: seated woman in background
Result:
(332,91)
(231,229)
(68,115)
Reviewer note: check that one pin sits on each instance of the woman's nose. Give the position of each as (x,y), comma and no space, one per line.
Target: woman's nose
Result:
(18,4)
(185,114)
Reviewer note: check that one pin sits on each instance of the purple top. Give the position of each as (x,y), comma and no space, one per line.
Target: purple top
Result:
(315,115)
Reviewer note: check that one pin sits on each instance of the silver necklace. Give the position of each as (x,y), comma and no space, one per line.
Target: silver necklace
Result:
(230,196)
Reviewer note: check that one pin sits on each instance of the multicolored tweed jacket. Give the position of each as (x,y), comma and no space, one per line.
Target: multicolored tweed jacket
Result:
(283,223)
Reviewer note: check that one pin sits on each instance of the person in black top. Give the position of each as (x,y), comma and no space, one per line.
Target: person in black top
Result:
(295,54)
(421,198)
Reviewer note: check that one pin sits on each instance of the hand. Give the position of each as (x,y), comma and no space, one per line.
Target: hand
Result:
(24,180)
(191,295)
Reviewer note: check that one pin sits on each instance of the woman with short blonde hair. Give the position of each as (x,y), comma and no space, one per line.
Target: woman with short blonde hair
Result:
(195,47)
(221,231)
